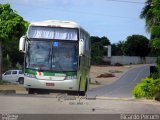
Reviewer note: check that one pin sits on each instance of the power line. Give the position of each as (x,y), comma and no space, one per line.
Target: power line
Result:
(79,11)
(124,1)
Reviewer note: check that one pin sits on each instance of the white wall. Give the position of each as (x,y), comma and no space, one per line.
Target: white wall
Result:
(125,60)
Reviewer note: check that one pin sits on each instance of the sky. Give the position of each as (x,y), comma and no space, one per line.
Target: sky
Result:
(115,19)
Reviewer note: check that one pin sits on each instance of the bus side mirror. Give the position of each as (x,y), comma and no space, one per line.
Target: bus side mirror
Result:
(81,47)
(22,42)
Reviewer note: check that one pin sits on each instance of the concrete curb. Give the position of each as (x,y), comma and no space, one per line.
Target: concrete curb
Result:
(110,98)
(7,91)
(155,102)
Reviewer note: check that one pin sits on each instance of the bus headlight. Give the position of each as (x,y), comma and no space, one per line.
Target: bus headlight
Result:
(70,77)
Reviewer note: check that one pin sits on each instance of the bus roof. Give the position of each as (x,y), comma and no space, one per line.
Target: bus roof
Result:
(56,23)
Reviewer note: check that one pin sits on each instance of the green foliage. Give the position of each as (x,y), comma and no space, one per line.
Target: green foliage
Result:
(155,75)
(3,82)
(155,31)
(156,37)
(154,51)
(6,63)
(157,88)
(151,13)
(145,89)
(97,49)
(138,92)
(148,88)
(136,45)
(158,62)
(156,43)
(19,66)
(117,49)
(12,27)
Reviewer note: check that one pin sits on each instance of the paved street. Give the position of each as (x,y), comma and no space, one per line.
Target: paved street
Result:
(122,88)
(48,104)
(103,103)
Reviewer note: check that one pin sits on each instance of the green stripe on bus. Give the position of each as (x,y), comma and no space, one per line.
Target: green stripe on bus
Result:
(34,72)
(49,73)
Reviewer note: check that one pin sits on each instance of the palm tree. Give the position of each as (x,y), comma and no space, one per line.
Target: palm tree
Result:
(148,15)
(151,14)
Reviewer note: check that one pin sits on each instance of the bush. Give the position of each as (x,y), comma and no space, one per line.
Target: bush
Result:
(97,60)
(3,82)
(157,88)
(148,88)
(155,75)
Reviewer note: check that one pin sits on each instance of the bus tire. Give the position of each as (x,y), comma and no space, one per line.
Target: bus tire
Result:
(83,93)
(21,80)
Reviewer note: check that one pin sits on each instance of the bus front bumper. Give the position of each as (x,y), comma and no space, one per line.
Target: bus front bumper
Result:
(69,85)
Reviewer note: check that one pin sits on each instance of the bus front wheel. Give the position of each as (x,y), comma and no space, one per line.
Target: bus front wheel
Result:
(83,93)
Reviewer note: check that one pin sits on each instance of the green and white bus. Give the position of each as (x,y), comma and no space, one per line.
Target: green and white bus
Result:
(57,57)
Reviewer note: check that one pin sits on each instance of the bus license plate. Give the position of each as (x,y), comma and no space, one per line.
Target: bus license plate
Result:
(49,84)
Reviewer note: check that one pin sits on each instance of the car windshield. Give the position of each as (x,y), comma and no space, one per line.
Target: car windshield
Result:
(52,55)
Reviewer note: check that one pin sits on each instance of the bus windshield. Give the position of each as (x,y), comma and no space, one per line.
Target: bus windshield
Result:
(52,55)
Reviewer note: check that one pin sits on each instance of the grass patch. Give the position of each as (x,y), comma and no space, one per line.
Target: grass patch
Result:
(4,82)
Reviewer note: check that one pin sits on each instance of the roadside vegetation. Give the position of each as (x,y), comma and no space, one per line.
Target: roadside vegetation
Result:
(12,26)
(150,87)
(4,82)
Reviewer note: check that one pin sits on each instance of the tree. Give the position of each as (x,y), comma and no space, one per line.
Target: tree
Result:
(12,26)
(151,13)
(117,49)
(136,45)
(97,49)
(148,15)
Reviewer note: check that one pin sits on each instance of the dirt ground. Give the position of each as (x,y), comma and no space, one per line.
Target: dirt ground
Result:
(96,71)
(117,71)
(12,87)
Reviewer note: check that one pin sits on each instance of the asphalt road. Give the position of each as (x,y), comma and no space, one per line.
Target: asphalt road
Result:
(48,104)
(63,104)
(122,88)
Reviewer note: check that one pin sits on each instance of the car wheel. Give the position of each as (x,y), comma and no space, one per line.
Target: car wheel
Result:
(31,91)
(21,80)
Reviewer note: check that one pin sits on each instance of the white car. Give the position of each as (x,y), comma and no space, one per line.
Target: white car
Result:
(13,76)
